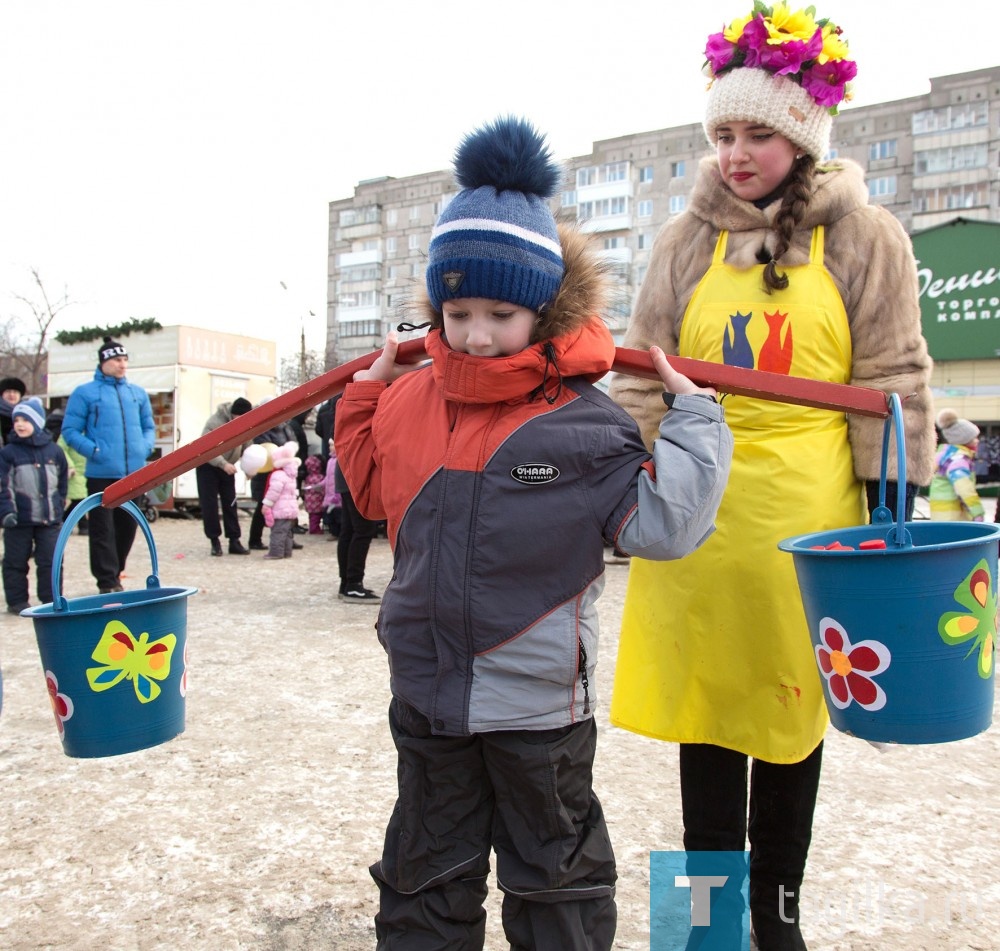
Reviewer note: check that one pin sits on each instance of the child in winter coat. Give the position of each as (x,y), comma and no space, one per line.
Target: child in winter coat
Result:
(502,472)
(953,495)
(33,474)
(313,490)
(281,502)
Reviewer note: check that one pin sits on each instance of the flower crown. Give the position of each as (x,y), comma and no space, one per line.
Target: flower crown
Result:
(795,44)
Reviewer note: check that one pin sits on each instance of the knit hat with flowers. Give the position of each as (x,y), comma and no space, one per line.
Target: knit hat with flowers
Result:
(782,69)
(497,237)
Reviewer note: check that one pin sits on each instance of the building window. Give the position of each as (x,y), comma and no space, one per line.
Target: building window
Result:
(359,273)
(953,159)
(642,241)
(964,116)
(646,173)
(414,242)
(885,149)
(677,204)
(614,172)
(585,177)
(610,244)
(359,328)
(605,208)
(414,212)
(390,245)
(359,216)
(568,199)
(391,217)
(645,208)
(392,272)
(955,198)
(882,186)
(358,299)
(677,169)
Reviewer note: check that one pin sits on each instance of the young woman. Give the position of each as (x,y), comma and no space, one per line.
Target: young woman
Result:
(778,264)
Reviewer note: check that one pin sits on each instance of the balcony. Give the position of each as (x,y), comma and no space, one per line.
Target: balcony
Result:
(616,255)
(606,223)
(356,258)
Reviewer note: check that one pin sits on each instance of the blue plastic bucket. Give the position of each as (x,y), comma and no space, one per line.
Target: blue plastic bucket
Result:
(115,664)
(904,636)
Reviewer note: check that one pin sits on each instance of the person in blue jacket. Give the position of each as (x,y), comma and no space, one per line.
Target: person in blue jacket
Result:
(110,423)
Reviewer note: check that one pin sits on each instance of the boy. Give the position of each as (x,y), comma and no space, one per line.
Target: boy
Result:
(33,475)
(502,473)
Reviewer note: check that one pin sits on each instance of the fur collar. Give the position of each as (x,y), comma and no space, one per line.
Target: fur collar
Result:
(838,190)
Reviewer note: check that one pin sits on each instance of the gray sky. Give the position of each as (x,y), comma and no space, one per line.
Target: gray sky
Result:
(175,159)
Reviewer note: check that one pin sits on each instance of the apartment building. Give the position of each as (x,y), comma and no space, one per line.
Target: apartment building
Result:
(930,159)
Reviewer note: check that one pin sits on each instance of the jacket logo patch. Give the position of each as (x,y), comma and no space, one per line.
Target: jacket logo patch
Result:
(534,473)
(453,279)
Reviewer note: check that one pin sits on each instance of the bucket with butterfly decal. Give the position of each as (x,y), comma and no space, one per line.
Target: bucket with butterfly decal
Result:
(903,619)
(115,664)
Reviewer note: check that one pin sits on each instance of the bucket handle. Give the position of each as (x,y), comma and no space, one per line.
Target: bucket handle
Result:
(59,603)
(882,515)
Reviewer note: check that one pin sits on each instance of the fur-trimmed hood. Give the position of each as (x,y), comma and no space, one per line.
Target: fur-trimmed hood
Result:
(582,296)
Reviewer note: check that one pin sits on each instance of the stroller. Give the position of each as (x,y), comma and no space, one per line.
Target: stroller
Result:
(147,502)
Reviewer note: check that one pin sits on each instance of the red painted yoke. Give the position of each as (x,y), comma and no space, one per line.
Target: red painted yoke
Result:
(837,397)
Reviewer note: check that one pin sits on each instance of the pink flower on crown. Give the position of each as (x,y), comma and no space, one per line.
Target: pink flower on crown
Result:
(827,83)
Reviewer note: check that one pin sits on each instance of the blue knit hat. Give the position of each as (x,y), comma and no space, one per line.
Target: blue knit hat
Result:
(32,409)
(497,238)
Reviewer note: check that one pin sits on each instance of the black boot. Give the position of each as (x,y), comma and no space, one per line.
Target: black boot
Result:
(782,801)
(216,547)
(236,548)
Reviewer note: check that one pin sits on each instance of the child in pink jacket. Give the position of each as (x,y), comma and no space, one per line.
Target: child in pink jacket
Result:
(281,502)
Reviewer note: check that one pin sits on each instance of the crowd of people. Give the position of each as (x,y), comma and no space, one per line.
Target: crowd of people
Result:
(501,474)
(51,461)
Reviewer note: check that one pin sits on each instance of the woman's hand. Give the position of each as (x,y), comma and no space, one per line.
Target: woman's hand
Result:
(673,381)
(385,367)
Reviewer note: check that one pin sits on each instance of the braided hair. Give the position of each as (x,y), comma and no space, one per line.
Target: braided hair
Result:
(798,192)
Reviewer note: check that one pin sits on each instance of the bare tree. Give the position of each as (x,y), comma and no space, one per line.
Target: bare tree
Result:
(299,368)
(24,353)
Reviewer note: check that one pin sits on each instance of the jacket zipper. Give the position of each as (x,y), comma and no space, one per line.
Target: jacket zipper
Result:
(121,406)
(583,677)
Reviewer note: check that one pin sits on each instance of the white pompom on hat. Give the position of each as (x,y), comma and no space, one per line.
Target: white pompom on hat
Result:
(955,430)
(756,95)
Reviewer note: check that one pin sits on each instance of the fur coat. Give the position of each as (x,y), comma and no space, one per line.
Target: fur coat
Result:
(870,259)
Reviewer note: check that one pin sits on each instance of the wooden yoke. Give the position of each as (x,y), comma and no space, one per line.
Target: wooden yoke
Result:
(738,381)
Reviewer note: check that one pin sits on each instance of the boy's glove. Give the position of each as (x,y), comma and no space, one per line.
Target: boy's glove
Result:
(268,516)
(10,520)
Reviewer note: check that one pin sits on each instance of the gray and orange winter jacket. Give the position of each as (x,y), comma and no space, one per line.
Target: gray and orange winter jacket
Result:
(501,480)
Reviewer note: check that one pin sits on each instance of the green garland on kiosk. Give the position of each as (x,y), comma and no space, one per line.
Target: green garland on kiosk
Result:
(85,334)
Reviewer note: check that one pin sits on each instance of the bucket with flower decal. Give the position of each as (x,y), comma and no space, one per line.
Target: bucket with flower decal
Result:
(115,664)
(903,619)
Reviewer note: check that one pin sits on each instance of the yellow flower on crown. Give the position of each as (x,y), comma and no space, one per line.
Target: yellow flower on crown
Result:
(735,29)
(834,48)
(783,24)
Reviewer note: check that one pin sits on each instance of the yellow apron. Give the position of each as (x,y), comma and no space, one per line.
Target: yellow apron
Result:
(714,648)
